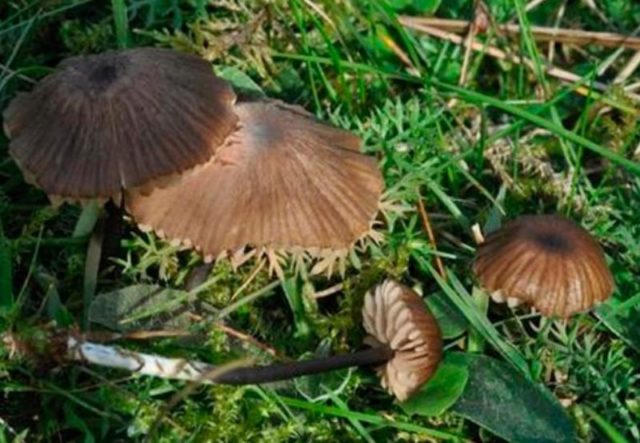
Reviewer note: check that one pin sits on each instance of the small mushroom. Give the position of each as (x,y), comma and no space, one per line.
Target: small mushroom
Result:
(395,316)
(283,181)
(404,337)
(405,341)
(546,261)
(119,119)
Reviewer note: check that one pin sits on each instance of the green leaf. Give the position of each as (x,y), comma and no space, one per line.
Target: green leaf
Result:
(452,323)
(240,81)
(292,288)
(502,401)
(443,390)
(141,307)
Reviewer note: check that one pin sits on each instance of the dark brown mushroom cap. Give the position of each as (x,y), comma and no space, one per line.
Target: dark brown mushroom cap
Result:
(117,120)
(395,315)
(547,261)
(283,180)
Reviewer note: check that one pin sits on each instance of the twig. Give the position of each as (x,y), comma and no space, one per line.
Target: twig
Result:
(426,225)
(540,33)
(329,291)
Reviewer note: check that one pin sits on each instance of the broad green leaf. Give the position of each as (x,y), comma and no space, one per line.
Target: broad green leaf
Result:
(443,390)
(452,322)
(502,401)
(141,307)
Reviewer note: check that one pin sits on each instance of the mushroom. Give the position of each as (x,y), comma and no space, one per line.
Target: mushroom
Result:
(546,261)
(283,182)
(396,317)
(120,119)
(405,339)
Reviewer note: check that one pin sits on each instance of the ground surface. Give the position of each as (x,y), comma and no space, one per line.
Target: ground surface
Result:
(513,139)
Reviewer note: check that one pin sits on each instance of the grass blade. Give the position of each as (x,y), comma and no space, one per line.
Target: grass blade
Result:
(121,22)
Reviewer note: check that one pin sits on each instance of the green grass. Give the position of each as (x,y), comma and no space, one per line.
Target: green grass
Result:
(517,141)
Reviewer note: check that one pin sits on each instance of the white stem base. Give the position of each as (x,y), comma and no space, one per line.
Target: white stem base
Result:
(147,364)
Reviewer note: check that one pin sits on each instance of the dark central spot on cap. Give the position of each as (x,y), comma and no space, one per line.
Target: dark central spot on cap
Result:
(266,134)
(104,75)
(551,241)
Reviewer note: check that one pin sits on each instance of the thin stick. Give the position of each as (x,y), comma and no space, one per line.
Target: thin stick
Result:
(426,226)
(540,33)
(329,291)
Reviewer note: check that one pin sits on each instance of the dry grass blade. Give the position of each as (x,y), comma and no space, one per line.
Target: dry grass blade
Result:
(560,74)
(540,33)
(426,226)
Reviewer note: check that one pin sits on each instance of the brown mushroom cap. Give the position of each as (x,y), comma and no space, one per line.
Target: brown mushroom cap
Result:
(547,261)
(283,180)
(117,120)
(395,315)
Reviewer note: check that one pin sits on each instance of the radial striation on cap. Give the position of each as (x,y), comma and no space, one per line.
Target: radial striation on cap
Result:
(546,261)
(117,120)
(283,180)
(396,316)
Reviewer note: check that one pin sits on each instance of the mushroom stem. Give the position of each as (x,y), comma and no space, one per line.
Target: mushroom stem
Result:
(180,369)
(284,371)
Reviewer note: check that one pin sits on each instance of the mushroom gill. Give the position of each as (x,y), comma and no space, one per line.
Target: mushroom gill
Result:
(396,316)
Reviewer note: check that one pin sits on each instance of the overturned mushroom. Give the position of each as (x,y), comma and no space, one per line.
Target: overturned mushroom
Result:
(405,339)
(283,181)
(119,119)
(547,261)
(397,317)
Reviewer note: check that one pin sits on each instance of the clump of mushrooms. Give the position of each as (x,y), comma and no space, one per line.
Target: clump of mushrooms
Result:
(547,261)
(195,166)
(405,340)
